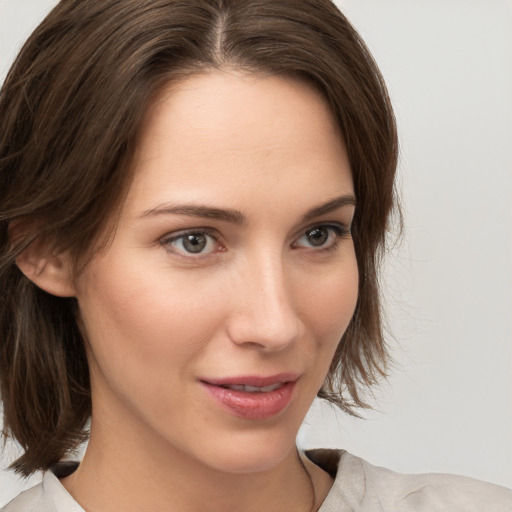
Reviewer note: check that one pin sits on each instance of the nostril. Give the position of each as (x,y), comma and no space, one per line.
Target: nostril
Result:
(266,332)
(263,314)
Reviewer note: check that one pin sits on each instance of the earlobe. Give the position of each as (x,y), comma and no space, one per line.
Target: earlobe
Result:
(49,270)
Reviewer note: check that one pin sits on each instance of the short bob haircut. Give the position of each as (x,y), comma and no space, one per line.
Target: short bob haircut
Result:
(71,110)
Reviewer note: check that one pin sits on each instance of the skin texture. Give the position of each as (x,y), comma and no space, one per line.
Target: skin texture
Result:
(260,299)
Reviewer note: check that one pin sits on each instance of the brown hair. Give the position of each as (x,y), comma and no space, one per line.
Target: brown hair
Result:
(71,107)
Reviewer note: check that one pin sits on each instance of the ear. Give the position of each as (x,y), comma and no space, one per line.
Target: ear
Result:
(50,270)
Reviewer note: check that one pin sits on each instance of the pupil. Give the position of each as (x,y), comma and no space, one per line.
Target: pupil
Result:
(318,236)
(194,242)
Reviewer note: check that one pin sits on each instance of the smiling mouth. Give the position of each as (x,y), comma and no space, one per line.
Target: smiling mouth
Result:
(252,389)
(253,383)
(252,398)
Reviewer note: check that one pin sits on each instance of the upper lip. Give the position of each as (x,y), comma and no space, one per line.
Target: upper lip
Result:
(253,380)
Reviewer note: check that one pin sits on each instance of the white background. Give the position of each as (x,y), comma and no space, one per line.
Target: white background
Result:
(447,406)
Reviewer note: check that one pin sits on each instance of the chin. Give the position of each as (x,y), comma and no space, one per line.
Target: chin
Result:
(252,461)
(249,453)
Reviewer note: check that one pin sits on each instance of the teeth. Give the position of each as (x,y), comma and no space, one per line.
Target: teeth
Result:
(254,389)
(271,387)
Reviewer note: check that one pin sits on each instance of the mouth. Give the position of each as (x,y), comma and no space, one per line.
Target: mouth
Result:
(252,389)
(250,397)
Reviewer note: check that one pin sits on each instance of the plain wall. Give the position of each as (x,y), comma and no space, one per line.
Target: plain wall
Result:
(447,406)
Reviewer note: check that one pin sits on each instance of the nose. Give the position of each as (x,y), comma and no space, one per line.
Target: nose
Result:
(264,313)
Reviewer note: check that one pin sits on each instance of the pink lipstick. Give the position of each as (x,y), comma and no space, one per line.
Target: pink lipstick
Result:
(252,397)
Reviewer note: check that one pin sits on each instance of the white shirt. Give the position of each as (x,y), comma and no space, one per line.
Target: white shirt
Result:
(358,487)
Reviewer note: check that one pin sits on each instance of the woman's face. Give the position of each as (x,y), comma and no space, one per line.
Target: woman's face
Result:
(213,316)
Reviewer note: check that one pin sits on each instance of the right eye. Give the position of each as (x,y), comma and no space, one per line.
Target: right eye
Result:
(190,243)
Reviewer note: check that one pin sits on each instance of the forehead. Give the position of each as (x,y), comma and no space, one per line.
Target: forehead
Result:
(219,132)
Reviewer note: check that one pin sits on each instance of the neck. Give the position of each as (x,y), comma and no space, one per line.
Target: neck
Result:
(125,474)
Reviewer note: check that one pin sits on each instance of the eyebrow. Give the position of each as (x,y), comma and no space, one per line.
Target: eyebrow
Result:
(236,216)
(205,212)
(331,206)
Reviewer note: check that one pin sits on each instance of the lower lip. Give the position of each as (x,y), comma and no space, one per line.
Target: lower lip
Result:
(252,406)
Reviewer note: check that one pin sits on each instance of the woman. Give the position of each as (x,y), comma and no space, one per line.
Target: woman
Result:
(194,196)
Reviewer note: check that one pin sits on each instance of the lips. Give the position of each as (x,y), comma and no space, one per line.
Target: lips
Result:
(253,389)
(252,397)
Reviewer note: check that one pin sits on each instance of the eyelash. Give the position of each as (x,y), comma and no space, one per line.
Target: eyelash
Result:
(338,230)
(168,240)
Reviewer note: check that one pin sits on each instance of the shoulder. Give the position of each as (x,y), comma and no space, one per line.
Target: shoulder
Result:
(28,501)
(47,496)
(360,487)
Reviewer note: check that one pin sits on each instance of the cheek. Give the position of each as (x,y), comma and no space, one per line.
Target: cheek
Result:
(139,316)
(331,304)
(146,331)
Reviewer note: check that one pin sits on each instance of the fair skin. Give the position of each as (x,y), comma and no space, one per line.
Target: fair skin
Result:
(254,171)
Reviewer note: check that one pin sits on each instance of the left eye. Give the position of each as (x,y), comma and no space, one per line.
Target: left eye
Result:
(322,237)
(192,242)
